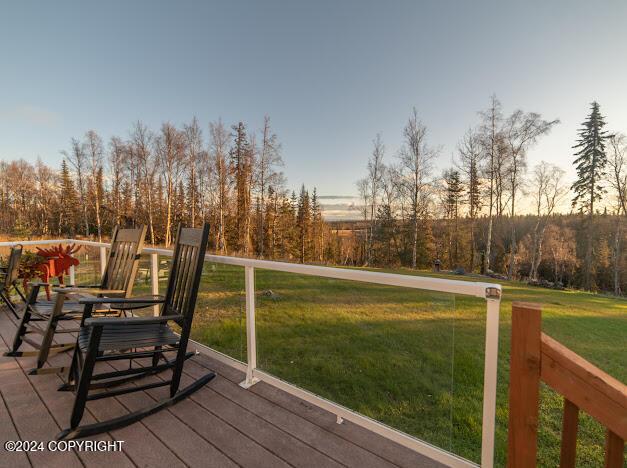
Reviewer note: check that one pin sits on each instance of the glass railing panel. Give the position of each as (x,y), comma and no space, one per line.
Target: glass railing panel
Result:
(385,352)
(469,322)
(220,316)
(87,272)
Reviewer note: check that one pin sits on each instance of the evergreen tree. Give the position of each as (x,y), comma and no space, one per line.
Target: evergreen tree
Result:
(99,193)
(241,153)
(590,160)
(68,202)
(303,223)
(286,232)
(384,234)
(270,225)
(471,156)
(452,202)
(294,202)
(316,227)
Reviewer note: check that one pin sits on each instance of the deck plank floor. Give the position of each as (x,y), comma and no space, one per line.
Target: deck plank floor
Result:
(221,425)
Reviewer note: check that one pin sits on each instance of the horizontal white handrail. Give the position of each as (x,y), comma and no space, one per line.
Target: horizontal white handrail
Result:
(491,292)
(469,288)
(39,242)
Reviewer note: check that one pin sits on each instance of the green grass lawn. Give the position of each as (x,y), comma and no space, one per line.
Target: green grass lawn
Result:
(411,359)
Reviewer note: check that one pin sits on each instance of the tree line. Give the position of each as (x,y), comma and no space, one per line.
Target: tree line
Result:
(232,179)
(469,217)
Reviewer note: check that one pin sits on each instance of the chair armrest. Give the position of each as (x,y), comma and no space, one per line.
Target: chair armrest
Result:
(101,321)
(75,290)
(39,284)
(122,300)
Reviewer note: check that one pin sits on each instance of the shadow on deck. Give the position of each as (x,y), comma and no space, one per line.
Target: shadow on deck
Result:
(222,425)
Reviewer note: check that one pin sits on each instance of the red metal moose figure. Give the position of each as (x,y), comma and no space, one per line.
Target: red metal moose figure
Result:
(59,261)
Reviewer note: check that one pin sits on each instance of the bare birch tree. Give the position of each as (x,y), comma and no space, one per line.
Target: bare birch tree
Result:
(375,173)
(78,160)
(415,163)
(490,139)
(117,156)
(170,151)
(147,163)
(266,174)
(522,130)
(193,146)
(218,152)
(45,186)
(617,163)
(95,153)
(548,190)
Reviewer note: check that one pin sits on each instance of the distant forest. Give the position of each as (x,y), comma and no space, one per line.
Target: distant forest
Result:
(467,217)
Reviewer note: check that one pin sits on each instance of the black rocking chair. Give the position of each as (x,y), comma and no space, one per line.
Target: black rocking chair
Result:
(42,318)
(8,279)
(128,338)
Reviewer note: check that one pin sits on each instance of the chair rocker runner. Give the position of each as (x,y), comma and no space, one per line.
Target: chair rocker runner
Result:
(146,338)
(8,279)
(43,318)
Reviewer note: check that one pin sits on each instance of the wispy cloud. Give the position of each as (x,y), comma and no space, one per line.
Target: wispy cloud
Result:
(32,115)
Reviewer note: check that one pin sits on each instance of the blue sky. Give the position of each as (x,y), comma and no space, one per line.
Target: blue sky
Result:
(331,74)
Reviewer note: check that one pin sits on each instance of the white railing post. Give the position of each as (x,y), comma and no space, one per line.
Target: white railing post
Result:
(251,340)
(103,260)
(154,279)
(72,275)
(490,377)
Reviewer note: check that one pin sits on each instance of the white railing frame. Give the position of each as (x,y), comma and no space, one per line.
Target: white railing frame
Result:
(489,291)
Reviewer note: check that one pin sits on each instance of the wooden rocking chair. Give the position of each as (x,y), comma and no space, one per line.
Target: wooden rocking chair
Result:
(128,338)
(43,317)
(8,279)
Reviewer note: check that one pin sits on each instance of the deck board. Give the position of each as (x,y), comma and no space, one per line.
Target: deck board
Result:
(8,432)
(221,425)
(31,418)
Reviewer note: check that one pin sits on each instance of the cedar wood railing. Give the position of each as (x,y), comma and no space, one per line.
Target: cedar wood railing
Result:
(535,358)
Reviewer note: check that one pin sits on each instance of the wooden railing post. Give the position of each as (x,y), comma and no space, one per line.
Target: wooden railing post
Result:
(524,385)
(614,450)
(570,425)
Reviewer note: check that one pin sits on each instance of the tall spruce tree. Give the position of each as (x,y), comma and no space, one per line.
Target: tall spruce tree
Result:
(240,154)
(590,160)
(471,156)
(316,228)
(303,223)
(452,201)
(68,202)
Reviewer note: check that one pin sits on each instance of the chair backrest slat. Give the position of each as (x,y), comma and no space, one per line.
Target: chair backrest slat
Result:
(187,264)
(126,246)
(13,266)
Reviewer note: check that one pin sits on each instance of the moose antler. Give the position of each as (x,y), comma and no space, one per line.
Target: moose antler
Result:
(71,249)
(58,251)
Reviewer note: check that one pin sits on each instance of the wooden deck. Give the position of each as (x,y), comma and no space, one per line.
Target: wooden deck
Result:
(222,425)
